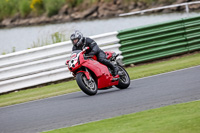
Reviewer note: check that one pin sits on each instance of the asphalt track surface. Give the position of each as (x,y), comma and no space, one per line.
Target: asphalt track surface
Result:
(76,108)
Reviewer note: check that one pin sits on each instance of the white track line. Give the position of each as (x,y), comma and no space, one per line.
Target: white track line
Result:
(166,73)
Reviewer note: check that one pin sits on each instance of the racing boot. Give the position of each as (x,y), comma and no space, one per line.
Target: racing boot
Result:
(115,77)
(115,70)
(115,73)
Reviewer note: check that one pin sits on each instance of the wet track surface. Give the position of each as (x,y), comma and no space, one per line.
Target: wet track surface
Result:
(76,108)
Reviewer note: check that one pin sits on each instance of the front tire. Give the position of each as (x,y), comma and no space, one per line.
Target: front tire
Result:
(124,80)
(89,87)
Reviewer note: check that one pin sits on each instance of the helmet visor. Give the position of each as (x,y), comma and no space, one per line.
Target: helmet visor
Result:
(75,41)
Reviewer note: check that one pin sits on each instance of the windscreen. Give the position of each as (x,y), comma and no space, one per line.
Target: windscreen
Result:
(74,54)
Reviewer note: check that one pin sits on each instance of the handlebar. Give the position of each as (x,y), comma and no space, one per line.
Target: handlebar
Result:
(86,48)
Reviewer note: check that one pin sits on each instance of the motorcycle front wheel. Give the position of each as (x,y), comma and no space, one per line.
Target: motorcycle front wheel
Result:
(89,87)
(124,80)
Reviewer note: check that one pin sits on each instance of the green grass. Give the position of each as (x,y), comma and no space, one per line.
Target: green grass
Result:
(173,64)
(180,118)
(38,93)
(55,38)
(71,86)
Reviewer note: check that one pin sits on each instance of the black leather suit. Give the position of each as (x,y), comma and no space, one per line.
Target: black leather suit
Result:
(95,50)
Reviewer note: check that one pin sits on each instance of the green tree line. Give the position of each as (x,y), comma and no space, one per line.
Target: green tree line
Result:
(32,8)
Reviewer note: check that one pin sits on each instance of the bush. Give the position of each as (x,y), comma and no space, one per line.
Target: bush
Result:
(24,7)
(73,3)
(8,8)
(52,7)
(37,7)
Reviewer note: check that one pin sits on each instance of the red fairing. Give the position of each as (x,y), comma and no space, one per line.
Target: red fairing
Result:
(94,57)
(101,71)
(67,62)
(102,74)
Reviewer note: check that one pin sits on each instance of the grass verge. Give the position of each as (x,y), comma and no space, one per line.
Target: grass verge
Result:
(180,118)
(71,86)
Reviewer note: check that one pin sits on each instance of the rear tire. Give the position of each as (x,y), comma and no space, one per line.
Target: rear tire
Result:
(88,87)
(124,80)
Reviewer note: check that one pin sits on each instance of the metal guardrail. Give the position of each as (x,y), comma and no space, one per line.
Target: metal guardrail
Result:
(159,8)
(192,33)
(160,40)
(45,64)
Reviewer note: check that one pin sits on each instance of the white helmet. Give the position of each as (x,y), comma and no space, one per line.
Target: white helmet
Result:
(77,35)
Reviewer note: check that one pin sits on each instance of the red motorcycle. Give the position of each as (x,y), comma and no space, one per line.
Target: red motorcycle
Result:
(92,76)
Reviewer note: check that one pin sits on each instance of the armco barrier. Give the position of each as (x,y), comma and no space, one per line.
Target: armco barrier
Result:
(45,64)
(192,33)
(160,40)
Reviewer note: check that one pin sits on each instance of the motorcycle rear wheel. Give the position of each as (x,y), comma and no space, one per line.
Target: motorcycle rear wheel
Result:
(124,80)
(89,87)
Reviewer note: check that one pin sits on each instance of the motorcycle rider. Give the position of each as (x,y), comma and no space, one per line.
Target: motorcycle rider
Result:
(79,43)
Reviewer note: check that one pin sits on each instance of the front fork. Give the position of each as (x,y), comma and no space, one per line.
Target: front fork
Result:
(87,74)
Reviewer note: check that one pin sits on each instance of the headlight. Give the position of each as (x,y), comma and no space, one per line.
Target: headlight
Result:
(72,63)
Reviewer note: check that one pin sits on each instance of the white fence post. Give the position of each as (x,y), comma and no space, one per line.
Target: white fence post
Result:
(187,8)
